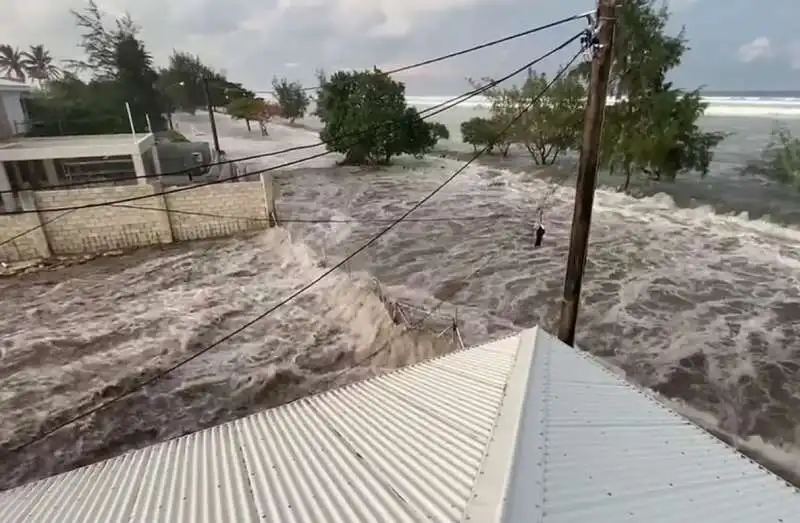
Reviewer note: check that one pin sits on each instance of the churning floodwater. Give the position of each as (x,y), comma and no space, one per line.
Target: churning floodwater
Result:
(691,288)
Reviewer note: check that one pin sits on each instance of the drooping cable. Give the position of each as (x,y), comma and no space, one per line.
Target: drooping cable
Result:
(310,284)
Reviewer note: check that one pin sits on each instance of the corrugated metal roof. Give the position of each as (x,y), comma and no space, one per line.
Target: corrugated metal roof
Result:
(522,429)
(592,447)
(404,447)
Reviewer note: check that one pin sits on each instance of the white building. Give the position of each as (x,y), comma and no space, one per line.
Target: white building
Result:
(33,163)
(13,112)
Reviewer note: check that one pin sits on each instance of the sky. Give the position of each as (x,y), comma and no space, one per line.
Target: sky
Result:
(735,44)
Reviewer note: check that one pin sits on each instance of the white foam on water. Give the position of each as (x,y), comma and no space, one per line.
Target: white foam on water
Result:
(695,304)
(718,106)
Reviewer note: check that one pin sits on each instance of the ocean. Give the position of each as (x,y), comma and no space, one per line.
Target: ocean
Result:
(692,288)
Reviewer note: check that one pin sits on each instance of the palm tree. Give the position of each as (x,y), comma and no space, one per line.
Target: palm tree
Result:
(39,64)
(12,63)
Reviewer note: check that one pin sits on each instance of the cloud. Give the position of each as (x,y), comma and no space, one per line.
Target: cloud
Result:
(256,40)
(758,49)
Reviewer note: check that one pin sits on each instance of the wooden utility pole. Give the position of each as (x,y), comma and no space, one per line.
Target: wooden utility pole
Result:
(211,118)
(587,168)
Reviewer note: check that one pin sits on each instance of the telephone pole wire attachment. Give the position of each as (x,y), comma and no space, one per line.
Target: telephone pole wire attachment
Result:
(601,46)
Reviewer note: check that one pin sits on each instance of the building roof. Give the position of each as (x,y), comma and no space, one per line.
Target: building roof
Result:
(81,146)
(521,429)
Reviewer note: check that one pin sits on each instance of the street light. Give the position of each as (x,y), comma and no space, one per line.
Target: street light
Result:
(211,118)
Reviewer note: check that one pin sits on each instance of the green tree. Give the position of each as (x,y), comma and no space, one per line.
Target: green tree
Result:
(12,63)
(292,98)
(122,73)
(136,81)
(439,131)
(366,118)
(182,82)
(780,159)
(246,108)
(652,129)
(546,121)
(480,132)
(100,43)
(552,125)
(68,106)
(38,63)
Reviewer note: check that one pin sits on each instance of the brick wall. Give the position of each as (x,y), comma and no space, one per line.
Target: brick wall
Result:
(200,212)
(242,199)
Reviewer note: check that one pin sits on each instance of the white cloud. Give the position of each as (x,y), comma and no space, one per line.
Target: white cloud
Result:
(758,49)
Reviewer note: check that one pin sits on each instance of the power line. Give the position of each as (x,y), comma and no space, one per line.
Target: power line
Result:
(425,114)
(525,110)
(440,108)
(188,171)
(472,49)
(313,282)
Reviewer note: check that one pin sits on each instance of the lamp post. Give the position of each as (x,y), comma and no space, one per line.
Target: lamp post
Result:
(211,118)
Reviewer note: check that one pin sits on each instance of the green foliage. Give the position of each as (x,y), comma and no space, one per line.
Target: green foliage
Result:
(439,131)
(12,63)
(665,142)
(781,157)
(292,98)
(136,83)
(653,130)
(366,118)
(551,124)
(480,133)
(99,42)
(70,107)
(122,73)
(247,109)
(36,63)
(182,82)
(554,122)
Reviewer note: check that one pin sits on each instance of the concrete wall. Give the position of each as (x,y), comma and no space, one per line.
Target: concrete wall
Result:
(201,212)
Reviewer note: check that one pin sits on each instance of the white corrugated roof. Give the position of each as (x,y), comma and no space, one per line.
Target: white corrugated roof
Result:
(522,429)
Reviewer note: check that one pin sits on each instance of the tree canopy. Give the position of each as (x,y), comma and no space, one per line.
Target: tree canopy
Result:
(651,130)
(182,81)
(36,63)
(780,159)
(366,118)
(122,73)
(292,98)
(120,70)
(551,118)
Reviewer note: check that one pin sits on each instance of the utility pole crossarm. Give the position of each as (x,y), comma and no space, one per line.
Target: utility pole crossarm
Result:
(601,53)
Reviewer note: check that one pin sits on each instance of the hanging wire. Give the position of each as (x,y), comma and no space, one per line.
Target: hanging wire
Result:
(305,287)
